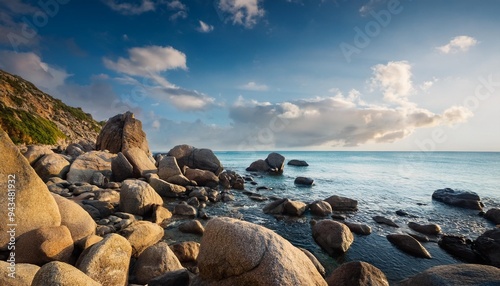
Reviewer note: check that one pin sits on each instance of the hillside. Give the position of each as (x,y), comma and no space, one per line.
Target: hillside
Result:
(31,116)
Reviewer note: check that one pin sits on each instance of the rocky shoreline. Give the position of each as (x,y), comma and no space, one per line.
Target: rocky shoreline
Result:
(98,215)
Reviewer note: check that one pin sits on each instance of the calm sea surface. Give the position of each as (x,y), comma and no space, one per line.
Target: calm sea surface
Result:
(382,182)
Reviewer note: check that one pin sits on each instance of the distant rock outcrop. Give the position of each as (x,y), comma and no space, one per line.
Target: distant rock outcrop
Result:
(122,132)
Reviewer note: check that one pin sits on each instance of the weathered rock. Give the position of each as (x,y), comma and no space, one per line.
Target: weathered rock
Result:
(99,180)
(60,273)
(35,207)
(259,166)
(122,132)
(488,246)
(493,215)
(358,228)
(419,237)
(320,208)
(44,245)
(88,241)
(276,162)
(231,180)
(138,197)
(463,199)
(357,273)
(194,158)
(430,229)
(107,261)
(456,275)
(160,214)
(298,163)
(121,168)
(83,168)
(304,181)
(268,259)
(192,226)
(409,245)
(275,207)
(105,209)
(459,247)
(166,189)
(52,165)
(334,237)
(24,273)
(155,261)
(294,208)
(168,167)
(202,177)
(73,216)
(35,152)
(184,209)
(178,277)
(314,261)
(181,180)
(141,162)
(74,150)
(107,195)
(384,220)
(186,251)
(141,235)
(339,203)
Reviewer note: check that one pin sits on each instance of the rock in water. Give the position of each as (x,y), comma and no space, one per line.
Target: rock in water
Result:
(259,166)
(460,247)
(294,208)
(298,163)
(304,181)
(195,158)
(493,215)
(384,220)
(138,197)
(334,237)
(60,273)
(276,162)
(339,203)
(463,199)
(357,273)
(357,228)
(35,207)
(431,229)
(84,167)
(320,208)
(235,252)
(122,132)
(456,275)
(409,245)
(155,261)
(488,246)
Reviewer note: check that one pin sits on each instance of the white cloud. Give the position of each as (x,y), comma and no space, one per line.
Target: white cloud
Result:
(176,5)
(253,86)
(131,8)
(205,28)
(242,12)
(458,44)
(394,79)
(179,8)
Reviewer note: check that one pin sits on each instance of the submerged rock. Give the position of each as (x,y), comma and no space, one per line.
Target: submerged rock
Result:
(339,203)
(298,163)
(384,220)
(493,215)
(459,247)
(430,229)
(357,273)
(463,199)
(456,275)
(304,181)
(358,228)
(409,245)
(488,246)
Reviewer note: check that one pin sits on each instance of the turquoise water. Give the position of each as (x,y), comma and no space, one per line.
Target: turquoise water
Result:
(382,182)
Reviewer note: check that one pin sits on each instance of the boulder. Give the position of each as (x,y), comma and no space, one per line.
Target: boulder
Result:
(186,251)
(493,215)
(275,207)
(178,277)
(192,226)
(73,216)
(24,273)
(488,246)
(141,235)
(231,180)
(463,199)
(235,252)
(34,206)
(74,150)
(52,165)
(155,261)
(88,241)
(358,228)
(339,203)
(334,237)
(384,220)
(294,208)
(84,166)
(298,163)
(320,208)
(459,247)
(35,152)
(259,166)
(166,189)
(168,167)
(357,273)
(184,210)
(60,273)
(138,197)
(304,181)
(202,177)
(121,168)
(409,245)
(315,261)
(160,214)
(181,180)
(141,162)
(107,261)
(122,132)
(194,158)
(276,162)
(430,229)
(44,245)
(456,275)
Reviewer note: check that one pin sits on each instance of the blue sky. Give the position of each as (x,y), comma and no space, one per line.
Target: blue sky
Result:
(270,74)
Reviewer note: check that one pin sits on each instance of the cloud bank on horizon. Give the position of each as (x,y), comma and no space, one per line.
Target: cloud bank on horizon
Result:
(260,75)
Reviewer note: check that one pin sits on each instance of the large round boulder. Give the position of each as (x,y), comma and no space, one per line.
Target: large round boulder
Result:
(155,261)
(462,199)
(52,165)
(488,246)
(235,252)
(73,216)
(334,237)
(141,162)
(35,152)
(409,245)
(141,235)
(357,273)
(138,197)
(276,162)
(339,203)
(456,275)
(23,273)
(320,208)
(60,273)
(84,166)
(259,166)
(202,177)
(195,158)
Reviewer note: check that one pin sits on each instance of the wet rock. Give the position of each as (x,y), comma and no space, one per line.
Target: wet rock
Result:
(334,237)
(315,261)
(488,247)
(339,203)
(73,216)
(409,245)
(178,277)
(60,273)
(202,177)
(192,226)
(493,215)
(231,180)
(459,247)
(463,199)
(357,273)
(44,245)
(456,275)
(276,162)
(194,158)
(186,251)
(294,208)
(155,261)
(430,229)
(263,188)
(121,168)
(338,217)
(275,207)
(304,181)
(357,228)
(24,274)
(138,197)
(52,165)
(184,210)
(141,162)
(420,238)
(141,235)
(298,163)
(259,166)
(268,259)
(320,208)
(84,166)
(402,213)
(384,220)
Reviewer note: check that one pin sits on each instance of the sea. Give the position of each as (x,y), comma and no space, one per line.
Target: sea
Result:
(382,183)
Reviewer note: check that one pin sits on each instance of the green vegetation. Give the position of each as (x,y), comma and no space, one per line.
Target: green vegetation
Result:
(77,113)
(24,127)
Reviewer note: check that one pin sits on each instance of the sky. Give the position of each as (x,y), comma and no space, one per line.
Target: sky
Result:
(370,75)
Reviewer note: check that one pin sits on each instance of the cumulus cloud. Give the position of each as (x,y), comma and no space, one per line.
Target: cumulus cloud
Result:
(253,86)
(394,79)
(242,12)
(126,8)
(205,28)
(458,44)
